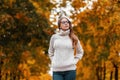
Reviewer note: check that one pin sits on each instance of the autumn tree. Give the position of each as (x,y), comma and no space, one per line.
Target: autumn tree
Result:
(98,30)
(23,27)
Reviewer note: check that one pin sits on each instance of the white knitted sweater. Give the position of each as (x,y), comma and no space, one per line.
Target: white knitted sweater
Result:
(61,52)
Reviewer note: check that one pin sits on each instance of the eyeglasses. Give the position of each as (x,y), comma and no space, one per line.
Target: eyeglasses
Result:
(63,22)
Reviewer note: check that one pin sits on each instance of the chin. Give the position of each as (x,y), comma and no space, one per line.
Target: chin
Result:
(65,29)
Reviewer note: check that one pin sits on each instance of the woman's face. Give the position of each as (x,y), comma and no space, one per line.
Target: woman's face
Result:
(64,24)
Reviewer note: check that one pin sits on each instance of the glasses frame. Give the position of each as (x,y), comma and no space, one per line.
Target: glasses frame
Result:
(64,22)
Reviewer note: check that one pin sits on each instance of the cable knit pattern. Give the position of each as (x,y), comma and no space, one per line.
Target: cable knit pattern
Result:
(64,33)
(61,52)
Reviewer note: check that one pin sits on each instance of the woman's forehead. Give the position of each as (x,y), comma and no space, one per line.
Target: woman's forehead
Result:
(64,19)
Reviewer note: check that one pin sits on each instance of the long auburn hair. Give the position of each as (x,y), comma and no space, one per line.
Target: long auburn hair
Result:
(73,37)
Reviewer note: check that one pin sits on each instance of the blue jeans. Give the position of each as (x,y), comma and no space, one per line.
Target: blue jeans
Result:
(64,75)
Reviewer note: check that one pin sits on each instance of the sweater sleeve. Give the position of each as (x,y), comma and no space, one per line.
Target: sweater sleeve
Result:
(51,49)
(79,52)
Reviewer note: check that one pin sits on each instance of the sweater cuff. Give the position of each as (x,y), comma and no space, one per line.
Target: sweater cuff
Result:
(51,58)
(76,60)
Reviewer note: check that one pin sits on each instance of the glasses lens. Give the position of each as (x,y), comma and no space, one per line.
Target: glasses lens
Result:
(63,22)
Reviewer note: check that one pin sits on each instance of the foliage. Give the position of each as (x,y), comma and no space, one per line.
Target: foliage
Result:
(25,32)
(98,31)
(22,30)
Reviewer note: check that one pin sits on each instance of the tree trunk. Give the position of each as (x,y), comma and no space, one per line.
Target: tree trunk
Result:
(104,71)
(111,75)
(0,74)
(116,71)
(14,76)
(1,63)
(99,73)
(6,76)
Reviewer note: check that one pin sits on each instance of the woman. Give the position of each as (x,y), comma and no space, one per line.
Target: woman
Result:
(61,51)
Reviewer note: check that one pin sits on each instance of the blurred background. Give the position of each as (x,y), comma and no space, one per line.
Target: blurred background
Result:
(27,25)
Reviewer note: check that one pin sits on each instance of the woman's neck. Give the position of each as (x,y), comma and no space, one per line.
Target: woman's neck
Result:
(64,32)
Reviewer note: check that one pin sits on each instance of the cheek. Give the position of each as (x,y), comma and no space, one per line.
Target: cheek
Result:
(62,26)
